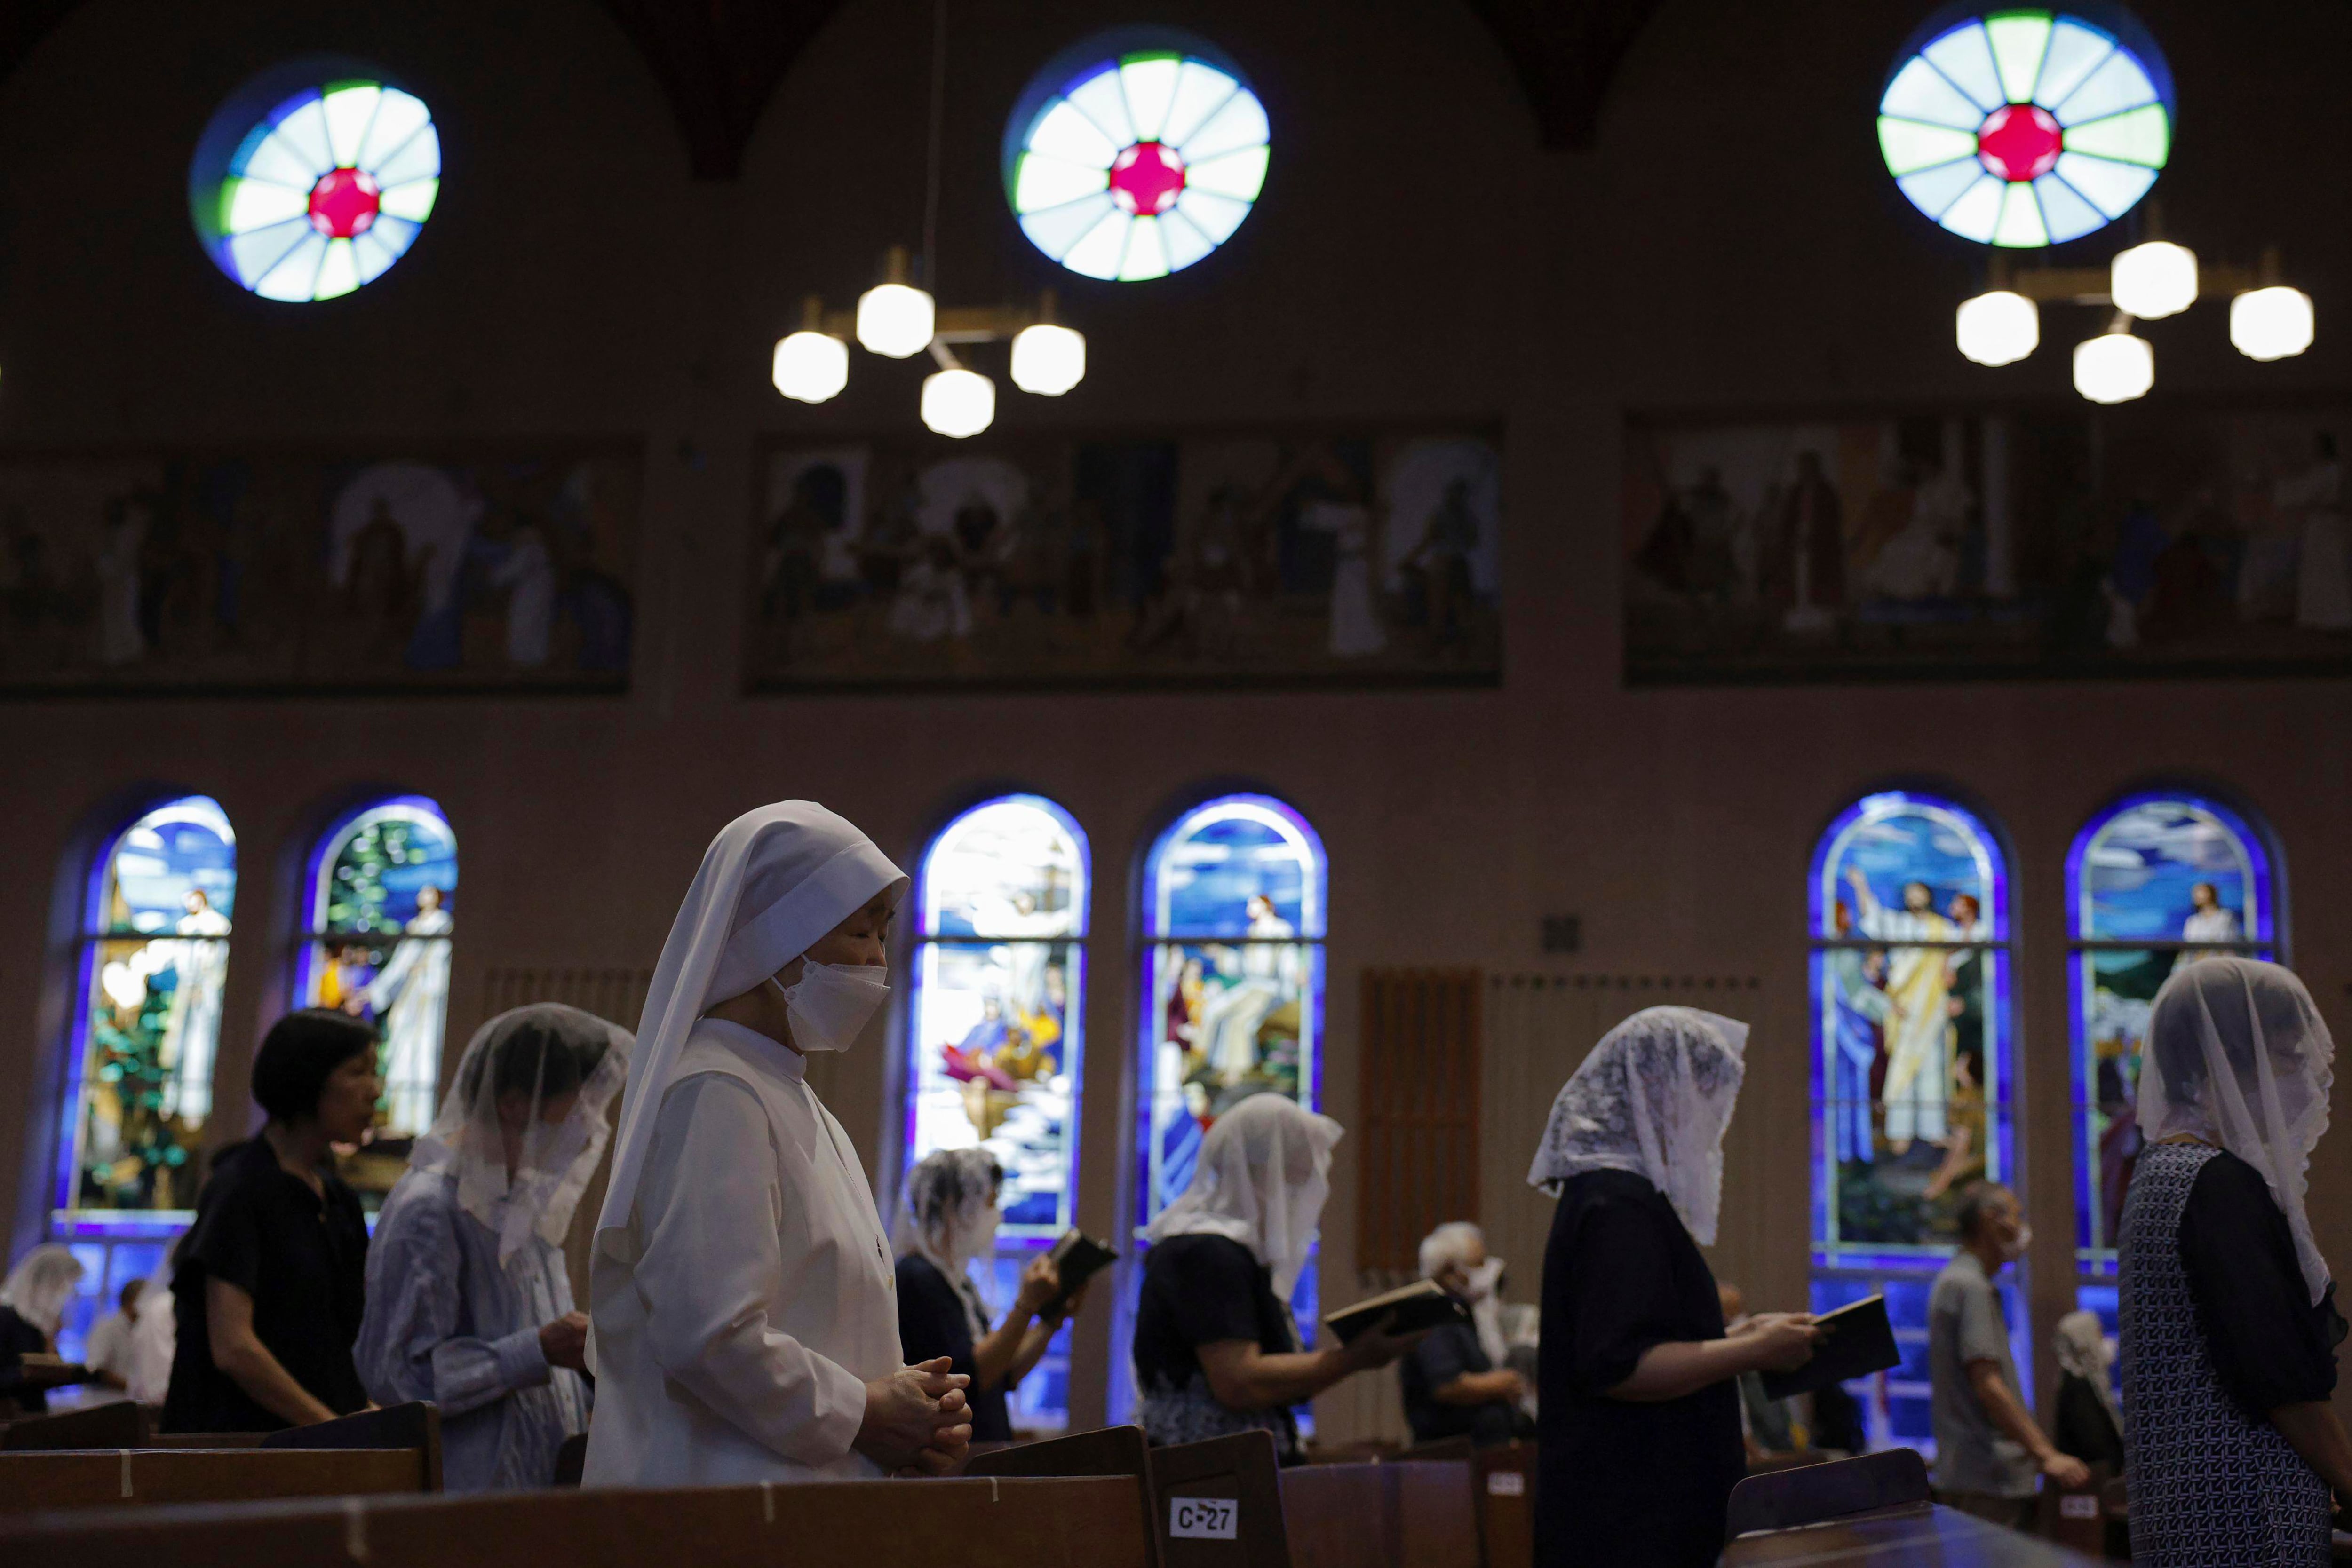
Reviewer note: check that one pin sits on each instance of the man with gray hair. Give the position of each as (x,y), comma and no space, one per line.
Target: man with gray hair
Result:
(1452,1387)
(1990,1454)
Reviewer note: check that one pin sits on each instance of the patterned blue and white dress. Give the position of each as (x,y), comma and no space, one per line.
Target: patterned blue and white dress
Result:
(2211,1485)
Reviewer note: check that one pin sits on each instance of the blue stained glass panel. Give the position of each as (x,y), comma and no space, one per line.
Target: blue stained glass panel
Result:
(154,968)
(995,1033)
(2191,877)
(381,894)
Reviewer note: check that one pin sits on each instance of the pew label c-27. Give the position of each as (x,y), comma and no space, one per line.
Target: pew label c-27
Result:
(1202,1518)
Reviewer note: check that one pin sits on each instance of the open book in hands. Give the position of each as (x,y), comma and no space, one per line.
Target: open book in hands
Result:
(1860,1341)
(1423,1304)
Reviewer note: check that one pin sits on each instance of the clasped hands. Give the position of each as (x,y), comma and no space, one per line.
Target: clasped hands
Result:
(918,1420)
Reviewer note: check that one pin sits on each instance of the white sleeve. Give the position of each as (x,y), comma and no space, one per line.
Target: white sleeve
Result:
(707,1210)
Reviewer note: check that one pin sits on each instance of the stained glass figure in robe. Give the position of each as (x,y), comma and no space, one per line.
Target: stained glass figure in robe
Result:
(1912,1073)
(998,1031)
(1234,1006)
(2157,880)
(382,913)
(155,963)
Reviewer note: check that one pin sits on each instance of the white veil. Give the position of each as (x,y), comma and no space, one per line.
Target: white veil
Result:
(771,883)
(2237,1055)
(949,1194)
(555,1051)
(1654,1098)
(42,1284)
(1263,1173)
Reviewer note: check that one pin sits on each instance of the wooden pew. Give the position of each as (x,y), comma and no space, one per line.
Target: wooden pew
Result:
(1220,1503)
(116,1477)
(120,1424)
(1336,1516)
(1902,1537)
(1400,1513)
(975,1522)
(376,1451)
(1119,1451)
(1505,1490)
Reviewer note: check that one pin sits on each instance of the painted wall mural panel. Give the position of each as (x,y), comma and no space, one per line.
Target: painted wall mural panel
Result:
(290,570)
(2161,540)
(1279,558)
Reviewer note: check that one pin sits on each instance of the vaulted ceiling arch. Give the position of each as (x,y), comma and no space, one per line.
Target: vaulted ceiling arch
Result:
(719,61)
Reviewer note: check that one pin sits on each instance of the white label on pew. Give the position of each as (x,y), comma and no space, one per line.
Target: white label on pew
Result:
(1202,1518)
(1506,1484)
(2078,1505)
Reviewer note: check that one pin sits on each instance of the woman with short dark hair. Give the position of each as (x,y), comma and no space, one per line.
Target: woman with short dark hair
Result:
(271,1277)
(469,1304)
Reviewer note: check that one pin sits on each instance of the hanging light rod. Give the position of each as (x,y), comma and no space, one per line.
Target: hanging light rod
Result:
(898,321)
(2155,279)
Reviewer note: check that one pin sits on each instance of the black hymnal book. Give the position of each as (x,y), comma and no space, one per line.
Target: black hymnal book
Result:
(1077,1257)
(1422,1305)
(1861,1342)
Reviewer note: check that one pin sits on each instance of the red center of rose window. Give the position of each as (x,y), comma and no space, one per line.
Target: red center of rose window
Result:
(342,204)
(2019,141)
(1146,179)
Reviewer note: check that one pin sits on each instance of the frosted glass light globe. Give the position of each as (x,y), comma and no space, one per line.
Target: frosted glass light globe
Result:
(2274,323)
(1048,359)
(958,402)
(2155,279)
(2114,367)
(895,320)
(1998,328)
(810,366)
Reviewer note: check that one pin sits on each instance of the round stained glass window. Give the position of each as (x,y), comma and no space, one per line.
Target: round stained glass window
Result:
(1139,162)
(2028,128)
(310,193)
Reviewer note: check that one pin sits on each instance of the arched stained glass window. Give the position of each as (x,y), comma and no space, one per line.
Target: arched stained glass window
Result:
(381,894)
(154,963)
(2157,880)
(1135,154)
(1913,1066)
(2028,128)
(310,182)
(996,1031)
(1233,913)
(139,1072)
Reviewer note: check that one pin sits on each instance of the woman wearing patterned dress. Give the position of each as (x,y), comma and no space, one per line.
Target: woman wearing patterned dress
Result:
(2230,1325)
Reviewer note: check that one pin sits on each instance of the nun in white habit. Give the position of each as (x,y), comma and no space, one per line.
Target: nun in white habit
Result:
(746,1324)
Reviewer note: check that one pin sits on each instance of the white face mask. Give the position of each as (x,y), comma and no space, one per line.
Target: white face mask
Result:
(2020,1244)
(1479,1283)
(831,1003)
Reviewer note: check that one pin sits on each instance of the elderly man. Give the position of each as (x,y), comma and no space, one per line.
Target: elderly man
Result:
(1452,1387)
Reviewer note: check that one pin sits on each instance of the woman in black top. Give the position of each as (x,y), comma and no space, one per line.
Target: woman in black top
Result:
(2230,1325)
(33,1301)
(272,1276)
(1217,1349)
(1639,1443)
(951,1218)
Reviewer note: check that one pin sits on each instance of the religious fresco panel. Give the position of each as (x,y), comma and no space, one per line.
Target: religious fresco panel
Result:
(1278,558)
(321,570)
(2160,538)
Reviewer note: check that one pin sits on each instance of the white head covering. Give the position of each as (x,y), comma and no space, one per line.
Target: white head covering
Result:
(41,1284)
(2084,1350)
(1654,1098)
(771,883)
(554,1050)
(1263,1173)
(2237,1055)
(949,1196)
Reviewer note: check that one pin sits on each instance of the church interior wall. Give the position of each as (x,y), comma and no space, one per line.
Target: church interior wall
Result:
(1417,256)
